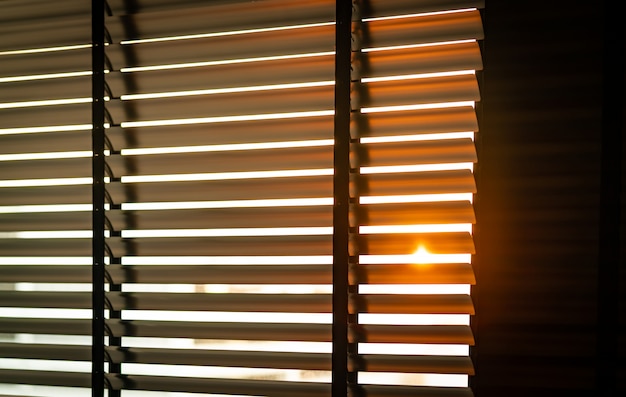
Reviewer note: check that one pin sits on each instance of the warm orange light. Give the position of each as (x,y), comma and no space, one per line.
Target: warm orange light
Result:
(422,256)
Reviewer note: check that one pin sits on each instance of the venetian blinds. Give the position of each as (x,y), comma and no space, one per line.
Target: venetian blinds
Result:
(219,198)
(45,198)
(414,88)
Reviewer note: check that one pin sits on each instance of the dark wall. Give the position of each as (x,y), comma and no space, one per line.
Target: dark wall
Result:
(546,264)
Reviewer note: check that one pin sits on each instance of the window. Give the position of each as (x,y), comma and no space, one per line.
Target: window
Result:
(224,218)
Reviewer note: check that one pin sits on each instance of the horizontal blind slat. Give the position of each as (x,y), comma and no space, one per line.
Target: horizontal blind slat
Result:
(45,247)
(41,195)
(414,364)
(47,32)
(377,8)
(407,304)
(45,351)
(441,273)
(236,132)
(42,169)
(222,105)
(234,47)
(415,60)
(56,326)
(417,391)
(432,182)
(75,84)
(23,10)
(225,161)
(46,116)
(54,221)
(432,334)
(424,29)
(452,273)
(229,246)
(175,273)
(408,243)
(45,274)
(427,152)
(222,358)
(223,274)
(53,142)
(300,303)
(43,63)
(427,121)
(312,216)
(270,188)
(244,74)
(228,386)
(47,378)
(418,91)
(167,18)
(231,302)
(121,7)
(306,332)
(418,213)
(74,300)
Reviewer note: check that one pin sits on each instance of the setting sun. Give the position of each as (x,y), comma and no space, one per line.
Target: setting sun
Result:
(422,256)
